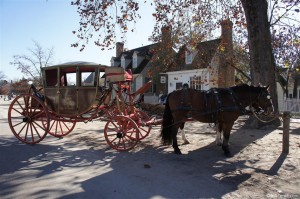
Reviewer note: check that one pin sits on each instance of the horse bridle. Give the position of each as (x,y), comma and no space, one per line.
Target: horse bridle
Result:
(268,96)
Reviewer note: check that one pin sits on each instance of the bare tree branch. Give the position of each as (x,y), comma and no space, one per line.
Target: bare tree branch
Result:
(31,64)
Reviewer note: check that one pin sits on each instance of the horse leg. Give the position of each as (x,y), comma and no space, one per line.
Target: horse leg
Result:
(174,137)
(226,134)
(185,140)
(219,135)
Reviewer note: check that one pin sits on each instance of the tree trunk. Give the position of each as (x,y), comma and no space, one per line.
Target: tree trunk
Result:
(262,65)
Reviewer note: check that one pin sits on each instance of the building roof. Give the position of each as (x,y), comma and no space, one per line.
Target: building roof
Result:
(145,51)
(205,52)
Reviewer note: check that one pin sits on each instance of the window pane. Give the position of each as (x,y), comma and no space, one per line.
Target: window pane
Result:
(87,78)
(71,79)
(195,82)
(51,77)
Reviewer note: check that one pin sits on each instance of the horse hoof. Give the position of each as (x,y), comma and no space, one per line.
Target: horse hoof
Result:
(227,154)
(178,152)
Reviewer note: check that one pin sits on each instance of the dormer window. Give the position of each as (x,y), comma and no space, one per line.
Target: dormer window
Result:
(134,60)
(123,61)
(112,62)
(188,56)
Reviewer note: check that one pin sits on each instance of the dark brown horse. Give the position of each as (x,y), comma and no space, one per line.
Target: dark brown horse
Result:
(221,106)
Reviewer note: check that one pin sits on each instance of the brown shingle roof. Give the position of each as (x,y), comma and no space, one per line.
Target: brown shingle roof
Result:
(206,51)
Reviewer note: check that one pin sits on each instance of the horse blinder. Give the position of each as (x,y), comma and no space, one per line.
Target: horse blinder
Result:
(264,102)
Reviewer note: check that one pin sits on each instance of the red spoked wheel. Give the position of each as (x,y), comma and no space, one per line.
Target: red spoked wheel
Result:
(121,133)
(60,126)
(28,119)
(142,119)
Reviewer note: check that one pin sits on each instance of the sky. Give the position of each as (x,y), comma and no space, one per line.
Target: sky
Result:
(50,23)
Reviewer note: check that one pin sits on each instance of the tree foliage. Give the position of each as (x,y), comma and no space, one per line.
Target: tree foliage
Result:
(31,64)
(20,87)
(105,17)
(193,21)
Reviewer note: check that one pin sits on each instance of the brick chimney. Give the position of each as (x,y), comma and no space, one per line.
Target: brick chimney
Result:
(119,48)
(226,69)
(166,36)
(227,34)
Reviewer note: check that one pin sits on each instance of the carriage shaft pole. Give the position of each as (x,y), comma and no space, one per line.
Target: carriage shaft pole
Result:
(286,132)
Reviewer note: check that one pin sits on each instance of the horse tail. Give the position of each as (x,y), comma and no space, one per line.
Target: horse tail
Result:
(167,124)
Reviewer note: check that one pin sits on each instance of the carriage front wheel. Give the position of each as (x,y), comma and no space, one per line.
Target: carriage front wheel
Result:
(28,118)
(121,133)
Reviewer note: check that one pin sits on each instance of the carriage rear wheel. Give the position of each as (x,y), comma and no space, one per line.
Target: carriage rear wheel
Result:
(121,133)
(60,126)
(28,118)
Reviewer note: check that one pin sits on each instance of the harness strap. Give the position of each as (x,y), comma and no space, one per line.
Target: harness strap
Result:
(237,101)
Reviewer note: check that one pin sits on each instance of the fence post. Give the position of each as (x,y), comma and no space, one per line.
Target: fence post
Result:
(286,132)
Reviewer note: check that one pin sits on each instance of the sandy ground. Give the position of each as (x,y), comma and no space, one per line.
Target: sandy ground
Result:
(82,165)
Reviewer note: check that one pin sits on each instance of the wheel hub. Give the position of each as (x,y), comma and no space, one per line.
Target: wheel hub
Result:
(119,135)
(26,119)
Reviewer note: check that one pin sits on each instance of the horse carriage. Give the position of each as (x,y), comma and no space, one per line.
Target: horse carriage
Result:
(81,92)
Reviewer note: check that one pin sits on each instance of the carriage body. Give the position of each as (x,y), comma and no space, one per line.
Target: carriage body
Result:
(72,89)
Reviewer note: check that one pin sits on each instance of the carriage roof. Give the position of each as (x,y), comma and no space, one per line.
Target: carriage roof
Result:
(80,64)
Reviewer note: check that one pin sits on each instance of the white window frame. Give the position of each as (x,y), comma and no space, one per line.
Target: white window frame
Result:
(134,60)
(123,62)
(188,56)
(195,82)
(112,62)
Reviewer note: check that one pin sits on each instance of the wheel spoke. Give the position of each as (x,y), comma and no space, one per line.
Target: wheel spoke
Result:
(114,123)
(18,124)
(51,125)
(38,115)
(18,111)
(114,140)
(66,125)
(22,129)
(113,129)
(60,126)
(36,131)
(27,126)
(42,127)
(32,136)
(56,126)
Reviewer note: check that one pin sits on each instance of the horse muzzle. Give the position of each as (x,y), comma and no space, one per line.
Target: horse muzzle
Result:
(269,110)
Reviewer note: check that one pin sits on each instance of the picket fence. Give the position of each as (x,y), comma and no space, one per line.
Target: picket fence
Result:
(289,104)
